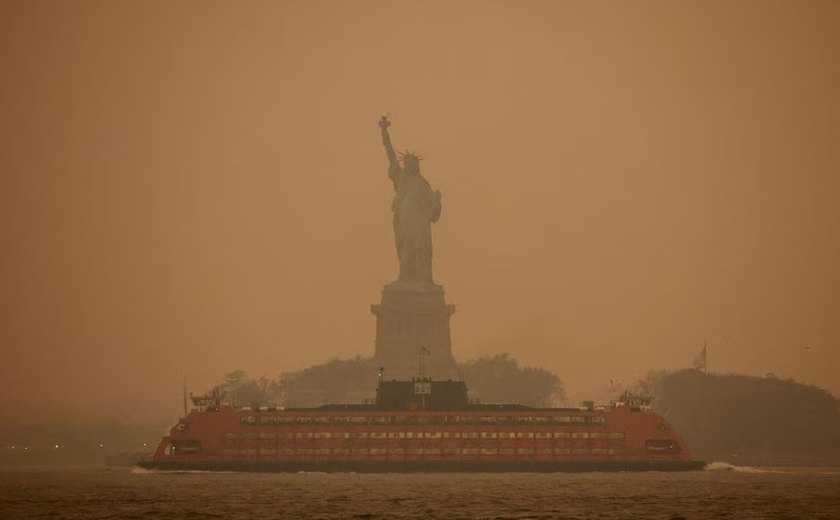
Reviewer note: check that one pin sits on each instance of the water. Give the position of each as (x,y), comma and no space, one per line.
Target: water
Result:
(722,491)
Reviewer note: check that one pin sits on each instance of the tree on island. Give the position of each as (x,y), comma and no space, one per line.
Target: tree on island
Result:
(240,390)
(752,419)
(500,379)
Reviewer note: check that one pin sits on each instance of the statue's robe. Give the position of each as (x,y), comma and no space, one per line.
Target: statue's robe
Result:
(415,208)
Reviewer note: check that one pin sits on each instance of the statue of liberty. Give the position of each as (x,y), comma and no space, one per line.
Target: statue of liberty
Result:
(415,208)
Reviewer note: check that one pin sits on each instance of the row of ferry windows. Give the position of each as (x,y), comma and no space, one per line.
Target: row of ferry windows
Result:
(420,451)
(424,435)
(432,419)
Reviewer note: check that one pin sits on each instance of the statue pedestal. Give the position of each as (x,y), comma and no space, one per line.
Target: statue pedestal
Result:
(409,317)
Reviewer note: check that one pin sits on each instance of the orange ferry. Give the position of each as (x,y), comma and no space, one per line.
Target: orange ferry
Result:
(422,426)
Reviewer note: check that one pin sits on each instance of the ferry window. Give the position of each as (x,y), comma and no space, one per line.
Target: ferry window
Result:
(525,451)
(580,435)
(266,419)
(396,435)
(322,451)
(303,435)
(489,451)
(562,419)
(230,451)
(451,451)
(358,435)
(378,435)
(378,451)
(543,435)
(286,451)
(324,419)
(267,451)
(414,451)
(488,435)
(340,451)
(599,435)
(451,435)
(340,420)
(562,435)
(469,419)
(581,451)
(524,419)
(578,419)
(248,451)
(359,420)
(562,451)
(323,435)
(507,435)
(432,435)
(267,435)
(431,451)
(600,451)
(303,451)
(396,451)
(469,435)
(543,451)
(662,445)
(231,435)
(525,435)
(400,419)
(304,419)
(616,435)
(285,419)
(507,451)
(542,419)
(185,447)
(469,451)
(248,419)
(598,419)
(488,419)
(381,419)
(251,435)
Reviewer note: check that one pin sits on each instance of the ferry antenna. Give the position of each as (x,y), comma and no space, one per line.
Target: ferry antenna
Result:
(185,395)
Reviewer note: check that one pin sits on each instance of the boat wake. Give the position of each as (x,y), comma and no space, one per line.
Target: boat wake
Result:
(725,466)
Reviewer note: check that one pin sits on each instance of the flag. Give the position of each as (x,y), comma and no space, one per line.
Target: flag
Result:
(700,360)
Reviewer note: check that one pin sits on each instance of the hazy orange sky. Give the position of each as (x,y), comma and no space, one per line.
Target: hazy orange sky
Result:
(195,187)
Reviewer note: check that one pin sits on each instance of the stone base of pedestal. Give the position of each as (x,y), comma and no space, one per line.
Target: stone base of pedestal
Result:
(412,317)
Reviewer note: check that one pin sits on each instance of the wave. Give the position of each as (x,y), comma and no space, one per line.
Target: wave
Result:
(137,470)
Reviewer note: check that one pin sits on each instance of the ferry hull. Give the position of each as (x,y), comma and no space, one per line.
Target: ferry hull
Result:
(426,466)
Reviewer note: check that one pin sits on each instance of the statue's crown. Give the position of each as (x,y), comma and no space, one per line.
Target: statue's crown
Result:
(410,156)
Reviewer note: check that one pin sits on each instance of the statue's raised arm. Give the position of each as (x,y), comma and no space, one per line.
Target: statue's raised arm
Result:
(393,164)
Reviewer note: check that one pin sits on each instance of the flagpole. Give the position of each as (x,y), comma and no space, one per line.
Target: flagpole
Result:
(699,363)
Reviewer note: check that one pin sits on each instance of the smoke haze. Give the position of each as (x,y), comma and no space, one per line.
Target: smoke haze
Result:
(191,188)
